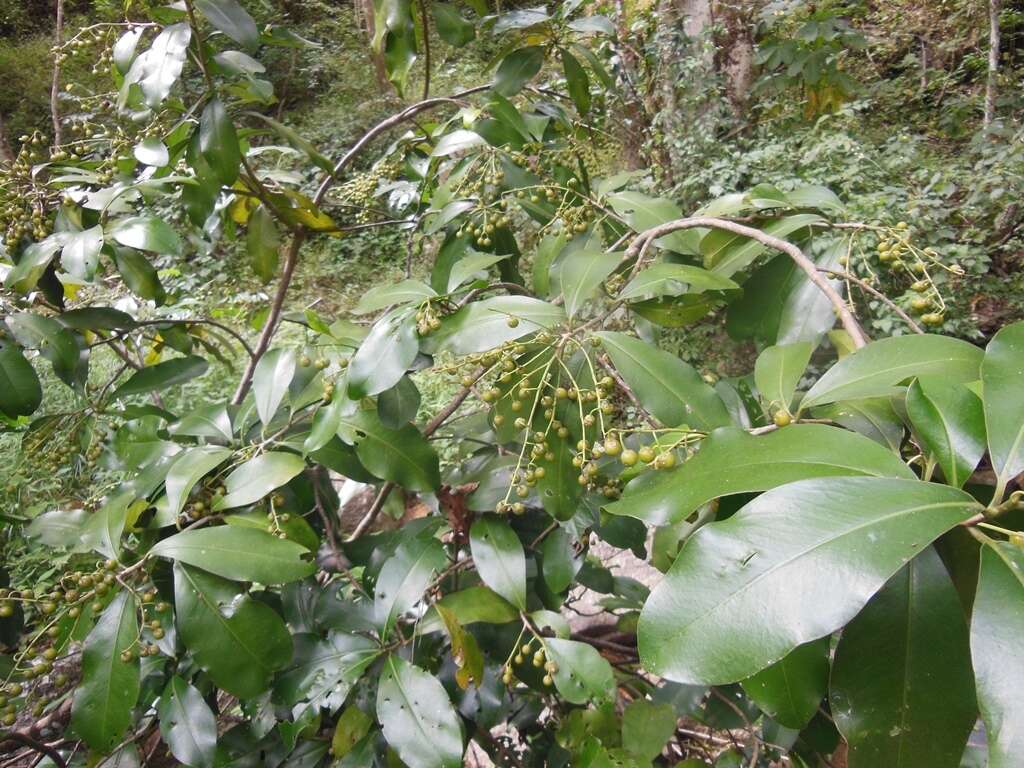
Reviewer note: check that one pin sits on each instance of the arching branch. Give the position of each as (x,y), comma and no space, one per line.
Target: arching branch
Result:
(809,268)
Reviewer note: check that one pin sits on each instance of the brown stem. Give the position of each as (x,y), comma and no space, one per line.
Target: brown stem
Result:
(432,426)
(607,365)
(58,42)
(426,49)
(37,746)
(809,267)
(291,258)
(864,285)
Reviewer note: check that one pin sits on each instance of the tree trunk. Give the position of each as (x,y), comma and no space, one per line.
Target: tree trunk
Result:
(378,59)
(58,41)
(736,51)
(993,61)
(6,153)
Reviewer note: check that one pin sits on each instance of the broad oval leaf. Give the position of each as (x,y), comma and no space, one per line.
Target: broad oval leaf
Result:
(240,642)
(187,724)
(270,381)
(997,626)
(483,325)
(404,577)
(163,375)
(790,690)
(674,280)
(726,253)
(778,370)
(791,566)
(189,467)
(581,273)
(902,692)
(876,370)
(257,477)
(517,69)
(405,292)
(1002,372)
(20,390)
(417,717)
(384,356)
(232,19)
(670,389)
(218,143)
(457,141)
(81,253)
(499,559)
(103,703)
(583,674)
(145,233)
(239,553)
(402,455)
(949,419)
(323,671)
(397,406)
(53,341)
(152,152)
(263,241)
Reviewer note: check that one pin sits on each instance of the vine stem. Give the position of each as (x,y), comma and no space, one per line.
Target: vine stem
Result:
(809,267)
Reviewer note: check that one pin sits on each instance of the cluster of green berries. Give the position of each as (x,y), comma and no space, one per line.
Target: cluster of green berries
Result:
(538,659)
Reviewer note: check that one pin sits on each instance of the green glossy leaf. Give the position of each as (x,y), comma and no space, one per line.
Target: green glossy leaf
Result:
(238,553)
(405,292)
(157,69)
(778,370)
(559,561)
(902,692)
(583,674)
(402,455)
(326,421)
(81,253)
(517,69)
(263,242)
(647,727)
(251,481)
(403,579)
(97,318)
(106,526)
(674,280)
(791,566)
(384,356)
(451,26)
(139,275)
(230,18)
(34,261)
(20,391)
(726,253)
(162,375)
(189,467)
(1002,372)
(879,367)
(101,711)
(395,38)
(270,381)
(417,717)
(187,725)
(581,273)
(53,341)
(875,418)
(398,406)
(145,233)
(240,642)
(352,726)
(59,528)
(483,325)
(218,143)
(547,251)
(643,212)
(576,81)
(323,671)
(207,421)
(470,606)
(997,626)
(153,152)
(499,559)
(471,264)
(457,142)
(790,690)
(950,421)
(670,389)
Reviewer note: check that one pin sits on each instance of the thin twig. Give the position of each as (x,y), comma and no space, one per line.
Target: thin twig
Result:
(58,41)
(809,267)
(35,746)
(864,285)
